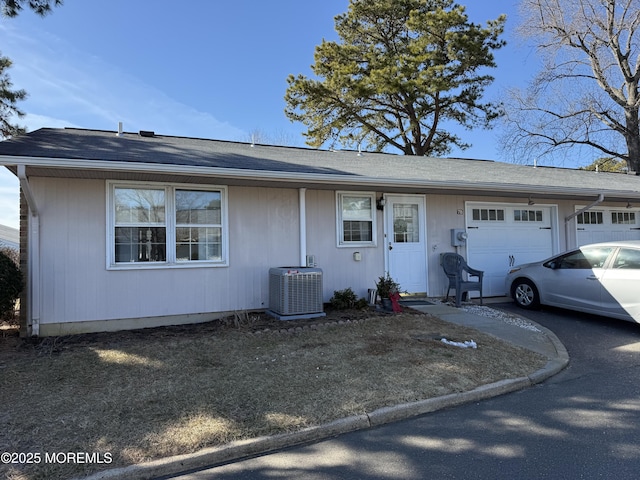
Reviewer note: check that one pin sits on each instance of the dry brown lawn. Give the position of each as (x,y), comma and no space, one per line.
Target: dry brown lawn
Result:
(153,393)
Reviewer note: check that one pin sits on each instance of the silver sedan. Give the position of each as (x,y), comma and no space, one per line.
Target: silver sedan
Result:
(601,278)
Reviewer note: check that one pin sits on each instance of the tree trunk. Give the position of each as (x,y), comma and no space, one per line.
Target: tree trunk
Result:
(632,137)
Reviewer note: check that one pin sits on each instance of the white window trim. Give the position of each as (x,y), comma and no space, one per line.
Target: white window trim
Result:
(170,222)
(340,225)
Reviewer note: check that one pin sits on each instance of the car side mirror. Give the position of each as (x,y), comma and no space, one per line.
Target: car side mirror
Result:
(553,265)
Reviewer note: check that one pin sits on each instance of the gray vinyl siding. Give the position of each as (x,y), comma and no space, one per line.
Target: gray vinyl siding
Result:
(340,270)
(77,287)
(441,217)
(263,228)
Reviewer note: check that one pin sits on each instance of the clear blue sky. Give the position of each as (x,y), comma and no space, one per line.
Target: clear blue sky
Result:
(202,68)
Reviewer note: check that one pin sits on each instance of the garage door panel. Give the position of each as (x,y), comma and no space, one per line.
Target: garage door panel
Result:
(495,250)
(607,225)
(495,267)
(519,234)
(537,245)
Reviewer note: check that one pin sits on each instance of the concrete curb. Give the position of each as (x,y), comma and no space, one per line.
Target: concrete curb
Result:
(231,451)
(555,364)
(261,445)
(421,407)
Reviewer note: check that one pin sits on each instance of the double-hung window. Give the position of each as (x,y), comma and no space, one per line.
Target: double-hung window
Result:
(140,231)
(166,225)
(198,225)
(356,219)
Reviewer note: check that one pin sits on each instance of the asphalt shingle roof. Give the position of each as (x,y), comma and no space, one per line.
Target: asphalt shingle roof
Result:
(88,146)
(9,237)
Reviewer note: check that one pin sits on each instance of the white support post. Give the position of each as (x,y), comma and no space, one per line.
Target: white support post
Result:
(303,226)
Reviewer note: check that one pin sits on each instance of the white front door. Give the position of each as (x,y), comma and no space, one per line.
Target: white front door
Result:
(405,241)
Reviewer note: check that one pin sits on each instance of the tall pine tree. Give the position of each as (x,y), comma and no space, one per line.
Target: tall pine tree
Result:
(402,72)
(9,98)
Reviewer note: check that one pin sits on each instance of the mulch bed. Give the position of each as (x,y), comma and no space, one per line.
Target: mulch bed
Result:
(250,322)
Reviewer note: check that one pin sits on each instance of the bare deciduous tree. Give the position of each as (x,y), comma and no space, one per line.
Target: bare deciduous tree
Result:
(587,91)
(278,137)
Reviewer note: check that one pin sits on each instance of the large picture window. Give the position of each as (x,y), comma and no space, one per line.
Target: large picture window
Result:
(166,225)
(356,219)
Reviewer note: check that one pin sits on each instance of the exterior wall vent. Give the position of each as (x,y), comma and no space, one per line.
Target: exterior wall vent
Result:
(295,292)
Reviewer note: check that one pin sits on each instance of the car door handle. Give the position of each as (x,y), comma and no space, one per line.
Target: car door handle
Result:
(592,277)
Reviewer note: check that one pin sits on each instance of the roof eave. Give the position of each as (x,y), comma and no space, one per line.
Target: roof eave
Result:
(342,180)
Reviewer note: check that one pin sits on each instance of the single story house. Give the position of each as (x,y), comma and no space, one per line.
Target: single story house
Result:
(9,237)
(130,230)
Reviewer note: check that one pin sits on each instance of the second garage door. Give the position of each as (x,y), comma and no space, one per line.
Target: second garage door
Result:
(503,235)
(607,225)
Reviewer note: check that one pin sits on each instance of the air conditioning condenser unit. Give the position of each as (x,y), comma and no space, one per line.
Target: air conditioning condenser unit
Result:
(295,292)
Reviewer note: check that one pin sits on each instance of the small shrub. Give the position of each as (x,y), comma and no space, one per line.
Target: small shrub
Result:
(240,319)
(343,299)
(361,304)
(10,286)
(387,286)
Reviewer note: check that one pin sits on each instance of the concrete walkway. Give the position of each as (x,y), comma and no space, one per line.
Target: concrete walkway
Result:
(525,334)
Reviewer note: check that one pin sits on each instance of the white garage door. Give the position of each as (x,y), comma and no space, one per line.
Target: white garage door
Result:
(607,224)
(503,235)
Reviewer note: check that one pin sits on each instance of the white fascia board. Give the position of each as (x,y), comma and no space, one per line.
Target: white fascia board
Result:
(347,179)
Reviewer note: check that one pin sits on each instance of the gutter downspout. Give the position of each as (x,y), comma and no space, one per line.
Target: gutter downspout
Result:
(303,226)
(33,252)
(575,214)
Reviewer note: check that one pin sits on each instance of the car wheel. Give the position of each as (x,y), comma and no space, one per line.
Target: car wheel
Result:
(525,294)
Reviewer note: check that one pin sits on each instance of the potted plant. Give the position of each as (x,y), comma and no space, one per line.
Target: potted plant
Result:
(387,289)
